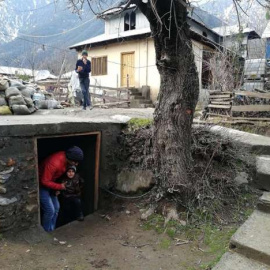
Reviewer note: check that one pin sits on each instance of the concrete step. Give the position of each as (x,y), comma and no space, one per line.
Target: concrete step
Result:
(137,103)
(136,94)
(264,202)
(134,90)
(252,239)
(262,180)
(234,261)
(139,97)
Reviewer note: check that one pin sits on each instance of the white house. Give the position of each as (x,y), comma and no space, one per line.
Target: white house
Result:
(125,55)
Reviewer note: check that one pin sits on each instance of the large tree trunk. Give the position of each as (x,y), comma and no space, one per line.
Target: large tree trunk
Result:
(179,90)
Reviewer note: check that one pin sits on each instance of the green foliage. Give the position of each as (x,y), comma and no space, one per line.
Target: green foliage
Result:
(267,15)
(155,222)
(165,243)
(136,123)
(24,77)
(217,241)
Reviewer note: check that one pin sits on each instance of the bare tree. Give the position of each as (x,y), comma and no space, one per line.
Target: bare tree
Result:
(179,88)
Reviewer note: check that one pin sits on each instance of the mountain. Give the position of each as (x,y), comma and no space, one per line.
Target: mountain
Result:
(251,13)
(22,19)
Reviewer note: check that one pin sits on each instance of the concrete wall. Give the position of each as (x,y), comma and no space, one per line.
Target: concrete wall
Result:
(19,204)
(146,72)
(18,183)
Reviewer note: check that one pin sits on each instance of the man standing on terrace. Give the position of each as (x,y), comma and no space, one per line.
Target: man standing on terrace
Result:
(83,68)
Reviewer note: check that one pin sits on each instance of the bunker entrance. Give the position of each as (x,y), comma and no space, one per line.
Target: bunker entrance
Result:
(88,168)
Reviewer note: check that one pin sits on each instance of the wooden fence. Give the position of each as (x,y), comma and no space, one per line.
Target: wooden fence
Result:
(229,104)
(106,96)
(109,96)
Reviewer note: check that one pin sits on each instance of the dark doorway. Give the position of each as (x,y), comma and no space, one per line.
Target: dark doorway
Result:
(88,169)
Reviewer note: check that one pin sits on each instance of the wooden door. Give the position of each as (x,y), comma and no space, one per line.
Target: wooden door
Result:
(127,70)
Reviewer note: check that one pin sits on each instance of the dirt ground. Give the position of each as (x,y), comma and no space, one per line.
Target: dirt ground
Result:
(116,241)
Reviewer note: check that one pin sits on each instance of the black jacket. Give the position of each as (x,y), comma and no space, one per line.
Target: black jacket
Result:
(86,68)
(73,186)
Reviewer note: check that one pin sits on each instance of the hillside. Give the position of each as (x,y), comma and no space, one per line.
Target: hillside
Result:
(41,18)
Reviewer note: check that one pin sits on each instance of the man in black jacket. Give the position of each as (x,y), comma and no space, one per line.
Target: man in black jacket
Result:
(83,68)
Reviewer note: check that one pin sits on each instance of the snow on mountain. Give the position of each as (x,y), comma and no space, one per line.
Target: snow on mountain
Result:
(21,18)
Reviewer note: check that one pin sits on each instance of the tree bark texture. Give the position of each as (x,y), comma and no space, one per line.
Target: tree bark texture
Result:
(178,93)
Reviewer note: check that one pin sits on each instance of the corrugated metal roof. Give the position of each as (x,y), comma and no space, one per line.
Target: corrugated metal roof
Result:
(39,74)
(15,71)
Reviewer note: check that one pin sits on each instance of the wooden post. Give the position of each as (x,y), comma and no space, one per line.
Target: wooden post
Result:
(60,75)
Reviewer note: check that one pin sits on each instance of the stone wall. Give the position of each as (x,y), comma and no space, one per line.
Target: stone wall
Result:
(18,183)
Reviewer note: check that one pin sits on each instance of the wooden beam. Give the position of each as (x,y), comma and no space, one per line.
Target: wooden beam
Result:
(216,114)
(251,119)
(219,106)
(97,161)
(211,92)
(220,96)
(109,88)
(221,102)
(253,94)
(251,108)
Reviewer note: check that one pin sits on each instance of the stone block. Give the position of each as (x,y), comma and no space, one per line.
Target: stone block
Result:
(3,190)
(234,261)
(263,172)
(131,181)
(32,208)
(6,201)
(241,178)
(252,238)
(264,202)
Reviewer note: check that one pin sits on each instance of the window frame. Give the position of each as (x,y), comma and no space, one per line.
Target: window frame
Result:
(97,63)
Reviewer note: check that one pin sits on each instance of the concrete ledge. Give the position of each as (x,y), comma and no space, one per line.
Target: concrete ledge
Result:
(36,125)
(263,172)
(258,144)
(233,261)
(252,238)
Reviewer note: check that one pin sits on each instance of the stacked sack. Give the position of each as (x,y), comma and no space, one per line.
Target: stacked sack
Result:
(19,98)
(22,99)
(4,108)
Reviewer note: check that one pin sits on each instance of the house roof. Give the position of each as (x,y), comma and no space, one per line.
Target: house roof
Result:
(115,10)
(234,30)
(39,74)
(16,71)
(266,32)
(104,37)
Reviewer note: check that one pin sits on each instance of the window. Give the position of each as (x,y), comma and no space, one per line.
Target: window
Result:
(130,21)
(99,66)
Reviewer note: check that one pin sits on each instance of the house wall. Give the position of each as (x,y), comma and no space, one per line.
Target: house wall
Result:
(115,24)
(146,72)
